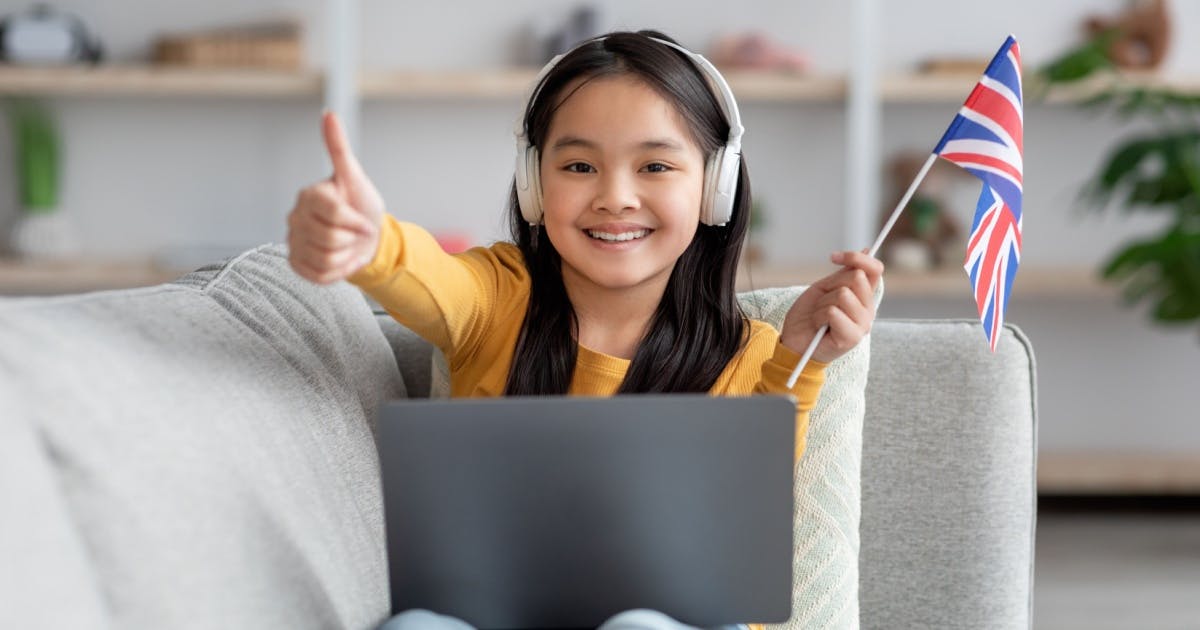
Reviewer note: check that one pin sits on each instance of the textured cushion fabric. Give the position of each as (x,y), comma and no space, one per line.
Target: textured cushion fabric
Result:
(412,354)
(825,561)
(948,478)
(212,442)
(46,579)
(827,490)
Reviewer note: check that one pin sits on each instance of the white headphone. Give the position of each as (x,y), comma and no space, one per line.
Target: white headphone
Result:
(720,173)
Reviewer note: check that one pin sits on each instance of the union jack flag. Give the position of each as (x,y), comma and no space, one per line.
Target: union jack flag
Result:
(986,138)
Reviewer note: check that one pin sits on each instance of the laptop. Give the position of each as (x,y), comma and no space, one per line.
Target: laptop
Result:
(559,512)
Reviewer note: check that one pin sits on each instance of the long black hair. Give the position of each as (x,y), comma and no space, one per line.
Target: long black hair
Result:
(698,326)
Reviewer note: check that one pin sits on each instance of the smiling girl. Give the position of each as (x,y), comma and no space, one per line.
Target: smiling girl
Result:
(628,213)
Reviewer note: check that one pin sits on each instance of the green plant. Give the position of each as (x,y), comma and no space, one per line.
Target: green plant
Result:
(1155,171)
(35,140)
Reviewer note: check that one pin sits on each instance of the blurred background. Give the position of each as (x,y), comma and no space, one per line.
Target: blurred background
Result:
(143,139)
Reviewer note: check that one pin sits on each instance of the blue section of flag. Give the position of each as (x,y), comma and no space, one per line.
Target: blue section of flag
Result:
(964,129)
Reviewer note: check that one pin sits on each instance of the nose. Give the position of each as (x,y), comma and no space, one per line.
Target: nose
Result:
(616,193)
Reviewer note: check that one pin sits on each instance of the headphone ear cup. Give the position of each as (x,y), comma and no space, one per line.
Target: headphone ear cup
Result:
(720,182)
(528,184)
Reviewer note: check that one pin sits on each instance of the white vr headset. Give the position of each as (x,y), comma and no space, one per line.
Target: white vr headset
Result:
(720,173)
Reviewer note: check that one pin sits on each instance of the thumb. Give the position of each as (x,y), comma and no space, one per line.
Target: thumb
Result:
(345,165)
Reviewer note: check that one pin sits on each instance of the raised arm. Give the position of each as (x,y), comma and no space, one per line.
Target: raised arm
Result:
(338,230)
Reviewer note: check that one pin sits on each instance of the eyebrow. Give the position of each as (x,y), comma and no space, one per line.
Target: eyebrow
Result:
(651,144)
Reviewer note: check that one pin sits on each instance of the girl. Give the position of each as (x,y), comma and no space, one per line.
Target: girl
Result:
(628,214)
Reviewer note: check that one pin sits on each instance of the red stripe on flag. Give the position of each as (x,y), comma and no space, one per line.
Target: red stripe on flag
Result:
(989,217)
(992,249)
(965,159)
(993,105)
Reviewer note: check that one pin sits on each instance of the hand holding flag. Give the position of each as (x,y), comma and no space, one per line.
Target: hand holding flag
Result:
(987,139)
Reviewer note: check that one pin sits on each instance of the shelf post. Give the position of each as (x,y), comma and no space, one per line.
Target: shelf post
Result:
(341,71)
(862,126)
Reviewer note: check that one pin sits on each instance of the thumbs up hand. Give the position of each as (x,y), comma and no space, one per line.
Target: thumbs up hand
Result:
(333,230)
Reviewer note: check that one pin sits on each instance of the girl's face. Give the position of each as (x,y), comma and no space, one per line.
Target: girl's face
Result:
(622,180)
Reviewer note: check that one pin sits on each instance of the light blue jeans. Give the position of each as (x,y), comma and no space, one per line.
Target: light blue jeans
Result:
(628,620)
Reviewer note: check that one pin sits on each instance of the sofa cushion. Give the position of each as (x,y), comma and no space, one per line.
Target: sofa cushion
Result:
(212,443)
(827,488)
(949,490)
(828,482)
(44,563)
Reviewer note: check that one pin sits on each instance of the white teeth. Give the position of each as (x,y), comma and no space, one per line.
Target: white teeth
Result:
(623,236)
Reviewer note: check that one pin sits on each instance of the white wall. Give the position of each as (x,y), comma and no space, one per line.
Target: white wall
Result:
(148,176)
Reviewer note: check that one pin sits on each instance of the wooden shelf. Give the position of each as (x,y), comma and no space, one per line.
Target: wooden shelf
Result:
(941,88)
(45,278)
(496,84)
(508,83)
(150,80)
(1119,473)
(1048,282)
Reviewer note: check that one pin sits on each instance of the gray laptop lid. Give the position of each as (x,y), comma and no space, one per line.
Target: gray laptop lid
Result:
(559,512)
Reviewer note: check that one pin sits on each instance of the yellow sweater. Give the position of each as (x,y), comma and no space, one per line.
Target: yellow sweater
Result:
(471,306)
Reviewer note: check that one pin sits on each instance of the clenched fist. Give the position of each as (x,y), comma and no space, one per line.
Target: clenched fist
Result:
(333,230)
(843,300)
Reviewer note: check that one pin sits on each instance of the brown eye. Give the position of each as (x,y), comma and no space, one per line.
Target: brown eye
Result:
(579,167)
(657,167)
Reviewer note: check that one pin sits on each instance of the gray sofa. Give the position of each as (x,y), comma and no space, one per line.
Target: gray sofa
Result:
(199,455)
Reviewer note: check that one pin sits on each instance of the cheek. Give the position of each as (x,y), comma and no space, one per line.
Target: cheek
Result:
(683,205)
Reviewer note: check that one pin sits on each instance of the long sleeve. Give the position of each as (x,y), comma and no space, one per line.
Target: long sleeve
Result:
(775,373)
(450,300)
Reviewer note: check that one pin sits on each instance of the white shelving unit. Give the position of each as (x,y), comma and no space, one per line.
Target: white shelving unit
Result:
(485,85)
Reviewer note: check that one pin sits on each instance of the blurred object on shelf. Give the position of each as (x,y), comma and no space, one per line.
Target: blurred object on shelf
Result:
(926,237)
(953,65)
(453,242)
(41,231)
(1141,34)
(275,44)
(582,24)
(756,51)
(44,35)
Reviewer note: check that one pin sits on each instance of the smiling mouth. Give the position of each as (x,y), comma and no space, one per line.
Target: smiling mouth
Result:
(610,237)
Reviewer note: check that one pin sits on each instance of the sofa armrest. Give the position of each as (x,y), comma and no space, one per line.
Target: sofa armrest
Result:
(949,496)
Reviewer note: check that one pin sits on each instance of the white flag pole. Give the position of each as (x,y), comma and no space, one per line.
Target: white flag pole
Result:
(887,227)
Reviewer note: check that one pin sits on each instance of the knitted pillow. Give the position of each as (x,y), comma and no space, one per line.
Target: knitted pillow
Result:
(827,488)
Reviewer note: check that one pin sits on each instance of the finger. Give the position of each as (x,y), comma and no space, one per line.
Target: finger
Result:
(856,280)
(844,333)
(331,238)
(852,278)
(326,206)
(301,268)
(345,165)
(870,265)
(355,263)
(315,276)
(325,262)
(849,303)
